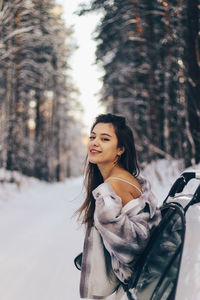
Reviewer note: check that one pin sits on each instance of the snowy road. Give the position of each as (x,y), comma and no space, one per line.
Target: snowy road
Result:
(38,241)
(39,238)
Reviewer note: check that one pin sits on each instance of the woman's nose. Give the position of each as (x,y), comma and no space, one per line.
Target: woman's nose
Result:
(95,142)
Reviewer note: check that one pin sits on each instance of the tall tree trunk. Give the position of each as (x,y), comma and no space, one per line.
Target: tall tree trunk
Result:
(193,65)
(10,110)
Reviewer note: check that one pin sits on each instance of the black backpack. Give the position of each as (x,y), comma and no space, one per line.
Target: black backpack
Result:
(156,274)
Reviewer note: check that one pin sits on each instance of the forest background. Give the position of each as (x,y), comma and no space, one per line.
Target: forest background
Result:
(149,52)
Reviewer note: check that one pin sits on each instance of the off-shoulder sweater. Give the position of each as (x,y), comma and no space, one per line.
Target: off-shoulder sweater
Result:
(122,231)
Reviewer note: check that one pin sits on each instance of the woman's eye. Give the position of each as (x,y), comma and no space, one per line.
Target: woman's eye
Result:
(103,139)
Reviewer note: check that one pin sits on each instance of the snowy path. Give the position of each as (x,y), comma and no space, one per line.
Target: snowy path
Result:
(38,241)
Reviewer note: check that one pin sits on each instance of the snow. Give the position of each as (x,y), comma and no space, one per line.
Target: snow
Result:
(39,240)
(163,173)
(40,237)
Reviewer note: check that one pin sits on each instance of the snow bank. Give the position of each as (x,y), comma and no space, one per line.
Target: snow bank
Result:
(163,173)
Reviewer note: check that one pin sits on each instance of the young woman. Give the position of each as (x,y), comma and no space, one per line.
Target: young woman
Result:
(119,211)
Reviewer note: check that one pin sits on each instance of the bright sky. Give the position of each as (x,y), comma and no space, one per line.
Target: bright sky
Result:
(85,74)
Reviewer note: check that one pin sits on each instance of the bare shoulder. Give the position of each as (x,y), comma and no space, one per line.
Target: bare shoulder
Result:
(126,186)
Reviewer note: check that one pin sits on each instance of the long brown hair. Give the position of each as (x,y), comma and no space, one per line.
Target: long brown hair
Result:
(127,160)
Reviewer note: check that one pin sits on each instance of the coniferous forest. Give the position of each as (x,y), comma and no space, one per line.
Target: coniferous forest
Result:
(150,54)
(36,90)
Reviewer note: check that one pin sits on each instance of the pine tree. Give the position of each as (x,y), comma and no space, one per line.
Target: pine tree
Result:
(36,88)
(144,50)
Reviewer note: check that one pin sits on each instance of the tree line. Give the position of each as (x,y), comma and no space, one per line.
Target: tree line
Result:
(149,51)
(36,91)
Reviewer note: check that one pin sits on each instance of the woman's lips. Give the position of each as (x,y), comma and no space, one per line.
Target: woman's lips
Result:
(94,151)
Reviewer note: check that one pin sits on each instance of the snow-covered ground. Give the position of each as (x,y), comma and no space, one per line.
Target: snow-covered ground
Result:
(39,238)
(38,241)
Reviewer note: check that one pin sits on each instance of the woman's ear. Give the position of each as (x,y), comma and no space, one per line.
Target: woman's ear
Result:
(121,151)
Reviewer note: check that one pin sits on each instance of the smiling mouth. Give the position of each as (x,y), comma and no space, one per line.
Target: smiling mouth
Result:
(93,151)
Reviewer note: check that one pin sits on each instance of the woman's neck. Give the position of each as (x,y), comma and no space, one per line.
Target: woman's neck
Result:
(108,170)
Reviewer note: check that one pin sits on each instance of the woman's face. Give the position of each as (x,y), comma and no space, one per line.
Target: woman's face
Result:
(102,146)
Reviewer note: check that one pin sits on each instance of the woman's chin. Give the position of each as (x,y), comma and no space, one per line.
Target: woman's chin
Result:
(93,161)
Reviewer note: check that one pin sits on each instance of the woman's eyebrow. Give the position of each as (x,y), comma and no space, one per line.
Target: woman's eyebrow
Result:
(92,132)
(106,134)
